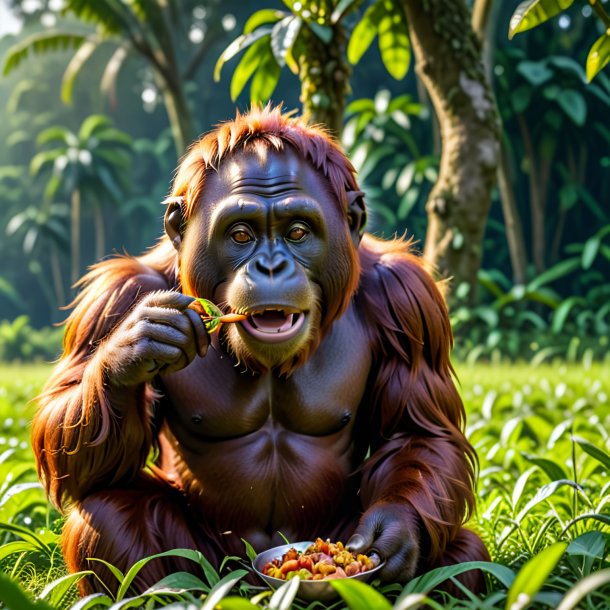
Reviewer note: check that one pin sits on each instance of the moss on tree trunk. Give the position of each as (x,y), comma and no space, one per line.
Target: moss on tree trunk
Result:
(324,74)
(449,63)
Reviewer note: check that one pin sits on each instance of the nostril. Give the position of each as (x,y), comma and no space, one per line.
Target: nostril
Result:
(271,267)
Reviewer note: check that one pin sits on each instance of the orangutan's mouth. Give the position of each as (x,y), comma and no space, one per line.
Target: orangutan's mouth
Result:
(274,325)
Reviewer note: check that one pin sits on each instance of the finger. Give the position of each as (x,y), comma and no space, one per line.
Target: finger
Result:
(170,317)
(202,338)
(148,335)
(400,566)
(168,298)
(158,352)
(365,533)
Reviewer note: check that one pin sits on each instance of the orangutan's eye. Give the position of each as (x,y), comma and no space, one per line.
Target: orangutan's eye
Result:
(297,233)
(241,234)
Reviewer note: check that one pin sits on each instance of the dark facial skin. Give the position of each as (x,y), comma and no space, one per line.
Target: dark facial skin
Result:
(270,239)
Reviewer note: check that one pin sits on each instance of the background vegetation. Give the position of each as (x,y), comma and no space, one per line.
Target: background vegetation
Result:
(492,152)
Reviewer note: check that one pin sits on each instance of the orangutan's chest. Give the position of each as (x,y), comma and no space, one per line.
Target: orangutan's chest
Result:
(212,399)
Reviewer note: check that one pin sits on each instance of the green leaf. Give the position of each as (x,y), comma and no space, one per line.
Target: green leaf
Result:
(432,579)
(246,68)
(17,546)
(545,492)
(284,595)
(250,552)
(93,602)
(532,576)
(531,13)
(136,567)
(556,272)
(93,125)
(574,105)
(265,78)
(222,588)
(39,44)
(111,72)
(553,470)
(266,15)
(360,596)
(235,603)
(343,8)
(111,568)
(589,544)
(240,43)
(365,31)
(583,587)
(74,67)
(599,55)
(394,43)
(536,72)
(178,582)
(209,308)
(14,598)
(560,315)
(599,454)
(56,591)
(590,251)
(283,35)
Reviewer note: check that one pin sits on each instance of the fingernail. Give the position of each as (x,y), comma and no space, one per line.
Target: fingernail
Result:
(356,542)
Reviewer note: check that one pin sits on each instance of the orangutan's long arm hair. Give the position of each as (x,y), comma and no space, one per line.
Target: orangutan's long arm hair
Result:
(86,434)
(421,457)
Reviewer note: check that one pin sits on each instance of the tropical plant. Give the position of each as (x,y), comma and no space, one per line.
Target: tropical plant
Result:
(156,31)
(532,13)
(381,137)
(19,341)
(44,227)
(89,165)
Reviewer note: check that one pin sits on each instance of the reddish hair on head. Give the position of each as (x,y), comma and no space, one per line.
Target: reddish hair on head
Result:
(266,126)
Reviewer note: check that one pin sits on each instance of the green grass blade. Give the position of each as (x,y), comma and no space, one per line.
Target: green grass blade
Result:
(583,588)
(93,601)
(222,588)
(283,597)
(14,598)
(430,580)
(360,596)
(595,452)
(533,575)
(56,591)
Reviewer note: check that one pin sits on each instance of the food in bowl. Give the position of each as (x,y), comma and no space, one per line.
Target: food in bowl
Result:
(322,560)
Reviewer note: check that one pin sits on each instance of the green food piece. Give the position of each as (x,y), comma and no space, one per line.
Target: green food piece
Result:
(213,323)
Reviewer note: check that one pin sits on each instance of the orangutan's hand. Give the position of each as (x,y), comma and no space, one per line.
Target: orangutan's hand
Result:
(390,531)
(160,335)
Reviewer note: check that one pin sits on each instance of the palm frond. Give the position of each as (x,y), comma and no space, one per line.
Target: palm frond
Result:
(40,43)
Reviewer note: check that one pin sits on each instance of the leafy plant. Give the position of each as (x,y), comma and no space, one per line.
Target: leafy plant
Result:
(380,136)
(532,13)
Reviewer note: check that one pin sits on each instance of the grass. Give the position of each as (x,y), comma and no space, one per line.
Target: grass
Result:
(542,436)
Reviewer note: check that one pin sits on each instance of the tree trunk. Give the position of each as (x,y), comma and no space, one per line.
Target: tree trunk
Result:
(482,13)
(58,284)
(512,220)
(75,236)
(448,60)
(100,237)
(178,112)
(324,74)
